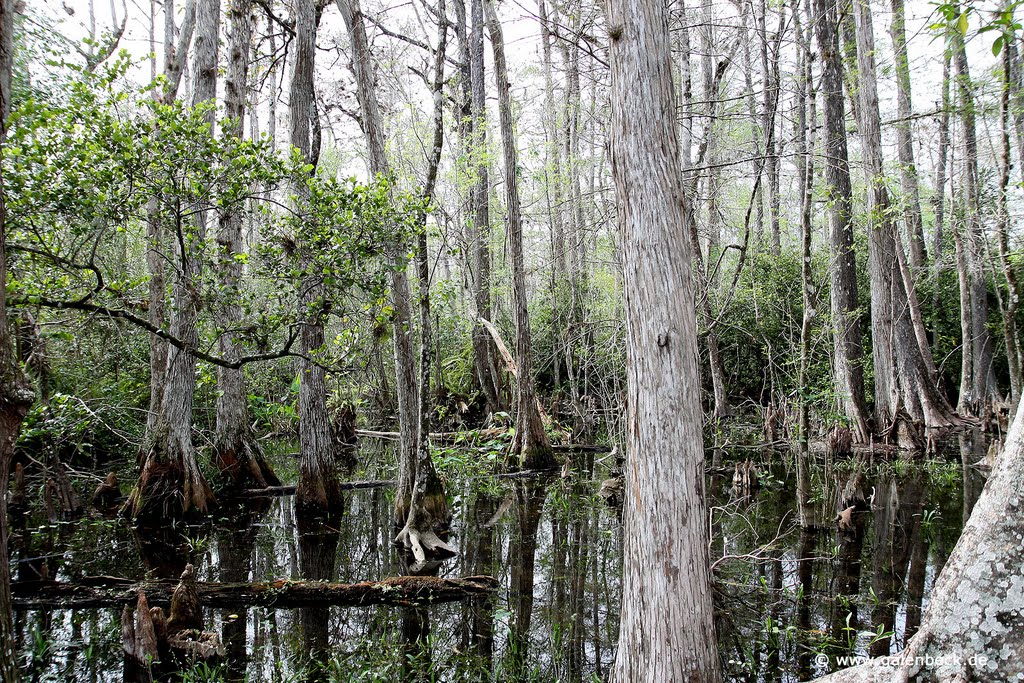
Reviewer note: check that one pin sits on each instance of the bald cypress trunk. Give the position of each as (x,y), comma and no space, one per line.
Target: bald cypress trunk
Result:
(171,483)
(846,328)
(983,383)
(15,392)
(666,580)
(238,454)
(905,141)
(484,353)
(318,488)
(1012,298)
(421,509)
(175,53)
(531,442)
(904,379)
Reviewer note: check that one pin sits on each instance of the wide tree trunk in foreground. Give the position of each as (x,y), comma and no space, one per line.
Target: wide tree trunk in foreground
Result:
(318,486)
(846,330)
(973,626)
(531,442)
(171,483)
(238,454)
(15,393)
(667,628)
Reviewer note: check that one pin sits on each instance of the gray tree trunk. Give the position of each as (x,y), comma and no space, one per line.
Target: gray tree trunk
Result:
(807,114)
(1013,293)
(484,353)
(983,383)
(903,369)
(939,201)
(318,488)
(666,580)
(846,328)
(15,392)
(905,141)
(237,453)
(171,483)
(175,54)
(421,509)
(531,442)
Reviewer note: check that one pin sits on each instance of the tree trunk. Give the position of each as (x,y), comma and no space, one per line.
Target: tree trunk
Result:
(421,509)
(1013,292)
(531,442)
(480,235)
(807,114)
(237,453)
(318,487)
(428,513)
(971,627)
(174,57)
(15,392)
(666,575)
(983,383)
(939,201)
(904,375)
(911,199)
(171,483)
(846,329)
(553,192)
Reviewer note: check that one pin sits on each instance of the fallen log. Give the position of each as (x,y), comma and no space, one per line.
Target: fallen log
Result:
(453,438)
(289,489)
(109,591)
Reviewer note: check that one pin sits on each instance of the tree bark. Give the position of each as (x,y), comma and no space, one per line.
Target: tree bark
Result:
(15,392)
(405,362)
(531,443)
(807,114)
(318,488)
(480,234)
(666,577)
(983,383)
(171,483)
(428,510)
(904,375)
(174,58)
(238,454)
(939,201)
(1013,292)
(911,199)
(421,509)
(846,328)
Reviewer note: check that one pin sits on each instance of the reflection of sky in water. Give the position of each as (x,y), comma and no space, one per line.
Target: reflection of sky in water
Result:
(756,548)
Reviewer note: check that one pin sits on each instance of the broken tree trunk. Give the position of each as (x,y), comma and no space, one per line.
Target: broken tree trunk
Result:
(107,591)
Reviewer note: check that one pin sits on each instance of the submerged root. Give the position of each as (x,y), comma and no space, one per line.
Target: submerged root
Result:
(168,491)
(243,465)
(424,545)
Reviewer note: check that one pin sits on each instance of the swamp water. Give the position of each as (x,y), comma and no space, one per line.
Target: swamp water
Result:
(790,603)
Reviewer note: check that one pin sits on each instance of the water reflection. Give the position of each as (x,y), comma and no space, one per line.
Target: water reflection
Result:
(847,571)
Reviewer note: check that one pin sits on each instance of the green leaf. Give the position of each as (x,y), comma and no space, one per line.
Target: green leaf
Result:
(997,46)
(961,23)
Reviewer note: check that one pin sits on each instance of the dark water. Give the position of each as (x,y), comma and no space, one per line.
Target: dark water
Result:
(790,602)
